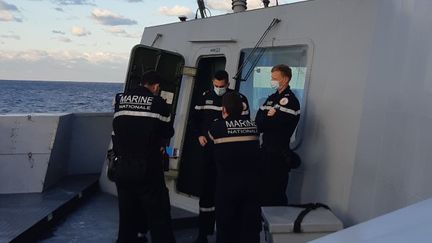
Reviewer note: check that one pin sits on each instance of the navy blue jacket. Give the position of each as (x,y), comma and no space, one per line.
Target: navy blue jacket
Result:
(236,146)
(209,108)
(278,129)
(142,123)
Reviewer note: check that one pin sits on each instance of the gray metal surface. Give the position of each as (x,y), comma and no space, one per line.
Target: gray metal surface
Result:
(97,221)
(43,148)
(366,148)
(410,224)
(25,150)
(281,220)
(20,212)
(89,140)
(58,163)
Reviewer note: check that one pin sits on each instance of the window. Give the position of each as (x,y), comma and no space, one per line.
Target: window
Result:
(255,83)
(169,66)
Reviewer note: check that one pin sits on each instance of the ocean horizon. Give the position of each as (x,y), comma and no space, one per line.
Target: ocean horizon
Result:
(39,96)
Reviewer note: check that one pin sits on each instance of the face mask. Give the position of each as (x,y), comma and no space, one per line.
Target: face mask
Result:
(220,91)
(274,84)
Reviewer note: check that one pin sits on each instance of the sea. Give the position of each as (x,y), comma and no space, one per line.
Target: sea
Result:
(23,97)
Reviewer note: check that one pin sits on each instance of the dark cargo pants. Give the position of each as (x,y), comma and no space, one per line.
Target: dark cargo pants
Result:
(275,175)
(238,216)
(207,193)
(144,201)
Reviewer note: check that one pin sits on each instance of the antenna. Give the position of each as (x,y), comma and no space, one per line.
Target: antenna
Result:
(256,48)
(201,7)
(158,35)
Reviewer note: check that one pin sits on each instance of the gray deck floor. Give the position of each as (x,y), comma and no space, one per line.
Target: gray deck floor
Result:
(97,221)
(95,218)
(19,212)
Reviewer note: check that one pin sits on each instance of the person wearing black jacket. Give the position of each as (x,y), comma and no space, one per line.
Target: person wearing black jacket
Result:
(207,109)
(236,154)
(141,127)
(277,119)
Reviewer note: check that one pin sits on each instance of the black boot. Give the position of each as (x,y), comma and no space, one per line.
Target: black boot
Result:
(201,239)
(142,238)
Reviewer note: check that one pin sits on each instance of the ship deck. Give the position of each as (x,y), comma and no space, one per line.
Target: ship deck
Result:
(97,220)
(75,210)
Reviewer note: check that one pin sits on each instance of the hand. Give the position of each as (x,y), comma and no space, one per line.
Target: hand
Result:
(165,159)
(112,165)
(271,112)
(202,140)
(110,155)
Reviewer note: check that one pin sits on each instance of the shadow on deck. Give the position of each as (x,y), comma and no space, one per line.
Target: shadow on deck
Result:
(75,210)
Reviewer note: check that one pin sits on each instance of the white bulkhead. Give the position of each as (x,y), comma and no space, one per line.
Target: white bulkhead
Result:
(365,138)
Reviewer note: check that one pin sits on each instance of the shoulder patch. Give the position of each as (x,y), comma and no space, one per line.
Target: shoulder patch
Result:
(245,107)
(207,92)
(283,101)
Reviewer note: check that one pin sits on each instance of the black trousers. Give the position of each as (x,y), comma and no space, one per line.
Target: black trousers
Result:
(207,217)
(238,216)
(145,204)
(275,175)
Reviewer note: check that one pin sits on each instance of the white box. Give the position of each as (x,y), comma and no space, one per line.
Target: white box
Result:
(279,224)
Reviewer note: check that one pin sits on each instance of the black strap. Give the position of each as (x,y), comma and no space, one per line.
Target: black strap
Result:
(307,208)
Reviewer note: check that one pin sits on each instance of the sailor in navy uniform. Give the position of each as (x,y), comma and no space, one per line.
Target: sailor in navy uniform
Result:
(236,155)
(277,119)
(207,109)
(142,125)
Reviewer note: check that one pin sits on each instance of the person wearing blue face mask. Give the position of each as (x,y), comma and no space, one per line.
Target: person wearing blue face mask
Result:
(277,119)
(208,109)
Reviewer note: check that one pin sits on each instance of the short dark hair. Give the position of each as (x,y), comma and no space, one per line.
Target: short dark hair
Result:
(284,69)
(221,75)
(233,104)
(151,77)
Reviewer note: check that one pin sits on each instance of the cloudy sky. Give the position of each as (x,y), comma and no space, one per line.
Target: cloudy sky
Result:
(83,40)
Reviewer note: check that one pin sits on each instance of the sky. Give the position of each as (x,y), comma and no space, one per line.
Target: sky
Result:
(84,40)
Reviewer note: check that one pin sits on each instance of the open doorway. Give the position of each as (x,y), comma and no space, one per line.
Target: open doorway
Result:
(189,177)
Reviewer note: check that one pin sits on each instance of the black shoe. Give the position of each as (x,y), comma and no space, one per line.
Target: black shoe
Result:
(201,239)
(141,238)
